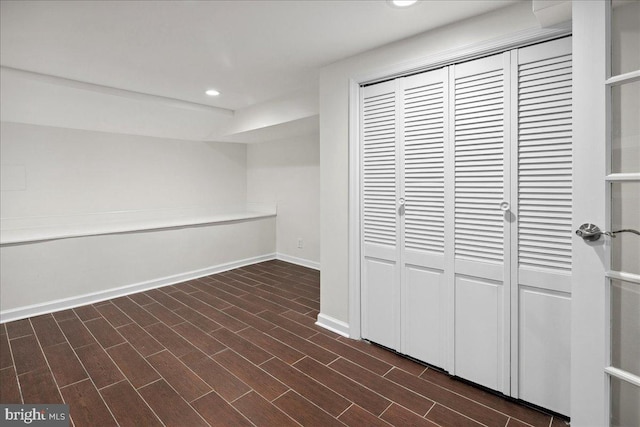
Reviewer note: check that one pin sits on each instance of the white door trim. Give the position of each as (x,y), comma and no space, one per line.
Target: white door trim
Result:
(589,383)
(463,53)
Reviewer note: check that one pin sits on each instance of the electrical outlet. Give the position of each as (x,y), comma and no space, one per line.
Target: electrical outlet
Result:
(300,243)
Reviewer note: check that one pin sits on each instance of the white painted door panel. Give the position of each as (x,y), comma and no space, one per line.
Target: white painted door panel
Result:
(541,371)
(422,166)
(480,113)
(545,356)
(423,329)
(380,233)
(479,337)
(379,311)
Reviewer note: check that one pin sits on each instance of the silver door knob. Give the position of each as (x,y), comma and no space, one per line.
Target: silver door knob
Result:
(591,232)
(505,206)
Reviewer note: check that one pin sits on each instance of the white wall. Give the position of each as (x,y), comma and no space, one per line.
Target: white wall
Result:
(51,172)
(57,274)
(287,172)
(69,171)
(334,131)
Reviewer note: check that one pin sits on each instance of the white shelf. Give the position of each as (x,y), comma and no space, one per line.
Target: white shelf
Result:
(19,230)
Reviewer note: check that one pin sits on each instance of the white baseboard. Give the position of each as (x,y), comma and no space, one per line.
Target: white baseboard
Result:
(299,261)
(334,325)
(77,301)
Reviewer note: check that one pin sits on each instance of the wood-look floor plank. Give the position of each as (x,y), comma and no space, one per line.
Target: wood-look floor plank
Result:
(106,334)
(141,299)
(221,380)
(163,314)
(86,406)
(287,324)
(302,345)
(467,407)
(357,393)
(355,416)
(321,395)
(99,365)
(356,356)
(47,330)
(181,378)
(197,319)
(303,411)
(261,412)
(249,318)
(87,312)
(128,407)
(256,378)
(169,406)
(170,339)
(271,345)
(6,360)
(134,311)
(385,355)
(399,416)
(132,365)
(448,417)
(205,343)
(27,355)
(241,346)
(389,389)
(113,314)
(164,299)
(64,315)
(19,328)
(521,412)
(39,387)
(9,391)
(64,364)
(219,413)
(140,339)
(75,331)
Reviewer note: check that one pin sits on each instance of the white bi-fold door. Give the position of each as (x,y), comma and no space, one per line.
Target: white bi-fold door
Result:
(466,219)
(403,142)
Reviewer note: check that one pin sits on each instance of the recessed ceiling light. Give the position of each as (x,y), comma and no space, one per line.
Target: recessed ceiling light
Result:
(212,92)
(402,3)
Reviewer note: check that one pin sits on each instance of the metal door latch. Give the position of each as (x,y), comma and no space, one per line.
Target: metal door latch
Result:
(591,232)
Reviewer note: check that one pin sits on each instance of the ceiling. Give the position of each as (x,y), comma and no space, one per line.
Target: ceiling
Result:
(251,51)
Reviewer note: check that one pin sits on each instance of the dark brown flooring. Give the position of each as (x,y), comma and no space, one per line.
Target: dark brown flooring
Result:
(238,348)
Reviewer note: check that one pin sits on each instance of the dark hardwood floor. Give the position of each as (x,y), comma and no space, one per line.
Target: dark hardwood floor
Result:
(238,348)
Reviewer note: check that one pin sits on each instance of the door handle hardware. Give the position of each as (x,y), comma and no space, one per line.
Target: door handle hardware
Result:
(591,232)
(626,230)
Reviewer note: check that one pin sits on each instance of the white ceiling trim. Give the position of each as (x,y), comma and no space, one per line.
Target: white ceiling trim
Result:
(108,90)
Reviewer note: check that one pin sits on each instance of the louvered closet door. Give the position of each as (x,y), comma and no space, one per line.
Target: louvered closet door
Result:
(544,232)
(380,291)
(480,125)
(423,292)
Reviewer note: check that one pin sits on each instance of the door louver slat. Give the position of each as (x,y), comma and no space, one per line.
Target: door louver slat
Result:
(379,169)
(479,164)
(545,164)
(424,167)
